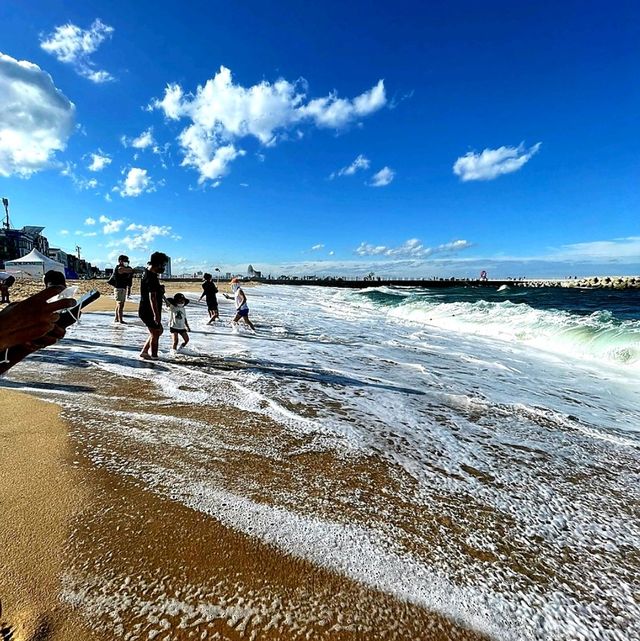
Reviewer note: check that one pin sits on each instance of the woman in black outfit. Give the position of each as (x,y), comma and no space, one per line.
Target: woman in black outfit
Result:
(150,310)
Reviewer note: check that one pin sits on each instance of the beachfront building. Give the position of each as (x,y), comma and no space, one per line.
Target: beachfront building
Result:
(16,243)
(253,273)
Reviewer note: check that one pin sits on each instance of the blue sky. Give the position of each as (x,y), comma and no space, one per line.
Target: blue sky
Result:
(403,138)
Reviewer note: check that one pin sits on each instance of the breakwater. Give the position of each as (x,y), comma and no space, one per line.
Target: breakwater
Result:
(595,282)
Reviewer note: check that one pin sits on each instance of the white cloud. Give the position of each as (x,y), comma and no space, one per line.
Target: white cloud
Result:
(144,140)
(222,112)
(317,247)
(86,234)
(336,113)
(64,232)
(36,119)
(331,253)
(110,226)
(72,45)
(491,163)
(90,221)
(383,177)
(412,248)
(136,182)
(99,161)
(69,169)
(359,163)
(618,249)
(142,236)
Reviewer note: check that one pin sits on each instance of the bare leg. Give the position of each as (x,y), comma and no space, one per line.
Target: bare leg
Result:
(155,339)
(248,322)
(120,312)
(175,341)
(185,338)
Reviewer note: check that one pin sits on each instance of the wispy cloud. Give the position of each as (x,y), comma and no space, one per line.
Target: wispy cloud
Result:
(317,247)
(615,250)
(412,248)
(72,45)
(222,113)
(382,178)
(69,169)
(491,163)
(361,162)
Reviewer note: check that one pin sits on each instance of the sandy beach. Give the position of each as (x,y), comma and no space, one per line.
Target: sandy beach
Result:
(92,553)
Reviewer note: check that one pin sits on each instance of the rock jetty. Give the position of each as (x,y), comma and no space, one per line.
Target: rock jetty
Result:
(594,282)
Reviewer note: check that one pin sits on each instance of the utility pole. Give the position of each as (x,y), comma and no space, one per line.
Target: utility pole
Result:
(5,222)
(78,248)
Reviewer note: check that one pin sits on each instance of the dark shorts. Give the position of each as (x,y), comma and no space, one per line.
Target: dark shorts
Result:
(173,330)
(243,313)
(150,323)
(212,305)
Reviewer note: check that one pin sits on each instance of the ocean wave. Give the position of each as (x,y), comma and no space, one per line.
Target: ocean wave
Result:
(598,336)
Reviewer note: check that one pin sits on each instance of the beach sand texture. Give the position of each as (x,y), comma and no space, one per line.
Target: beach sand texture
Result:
(91,554)
(337,475)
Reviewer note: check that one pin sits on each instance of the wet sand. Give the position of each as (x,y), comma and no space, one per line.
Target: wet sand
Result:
(87,547)
(40,495)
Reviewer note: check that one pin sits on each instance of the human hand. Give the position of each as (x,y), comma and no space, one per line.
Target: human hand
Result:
(31,320)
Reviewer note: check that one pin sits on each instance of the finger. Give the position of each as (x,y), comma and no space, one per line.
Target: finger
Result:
(57,332)
(64,303)
(45,294)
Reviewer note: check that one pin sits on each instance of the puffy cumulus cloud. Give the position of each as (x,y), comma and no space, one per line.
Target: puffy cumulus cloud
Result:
(222,112)
(110,226)
(99,161)
(142,236)
(361,162)
(412,248)
(72,45)
(383,177)
(491,163)
(36,119)
(90,221)
(136,182)
(144,140)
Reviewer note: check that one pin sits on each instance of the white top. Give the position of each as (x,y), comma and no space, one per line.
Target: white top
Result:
(177,317)
(241,300)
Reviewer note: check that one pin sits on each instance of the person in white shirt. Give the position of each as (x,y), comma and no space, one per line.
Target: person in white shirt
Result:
(242,309)
(178,323)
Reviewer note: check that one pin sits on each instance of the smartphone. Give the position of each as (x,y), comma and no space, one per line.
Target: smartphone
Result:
(70,315)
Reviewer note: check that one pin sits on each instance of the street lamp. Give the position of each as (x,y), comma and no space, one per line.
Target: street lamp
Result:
(217,269)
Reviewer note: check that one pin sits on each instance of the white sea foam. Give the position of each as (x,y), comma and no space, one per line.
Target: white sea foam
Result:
(527,452)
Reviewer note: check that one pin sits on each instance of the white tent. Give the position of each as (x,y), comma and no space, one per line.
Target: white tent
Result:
(33,265)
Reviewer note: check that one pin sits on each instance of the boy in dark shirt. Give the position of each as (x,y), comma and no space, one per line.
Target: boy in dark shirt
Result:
(210,290)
